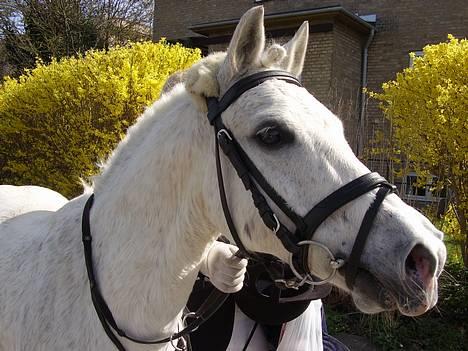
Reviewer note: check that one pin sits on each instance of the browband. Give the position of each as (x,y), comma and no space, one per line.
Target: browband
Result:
(215,107)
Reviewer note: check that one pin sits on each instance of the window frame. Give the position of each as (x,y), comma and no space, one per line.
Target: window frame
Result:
(417,53)
(428,194)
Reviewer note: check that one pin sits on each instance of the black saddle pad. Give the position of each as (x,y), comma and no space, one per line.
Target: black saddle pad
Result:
(215,333)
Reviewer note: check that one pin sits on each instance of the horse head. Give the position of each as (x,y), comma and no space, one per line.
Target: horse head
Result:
(299,148)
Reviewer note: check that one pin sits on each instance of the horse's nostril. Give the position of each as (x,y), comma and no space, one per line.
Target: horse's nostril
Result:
(420,265)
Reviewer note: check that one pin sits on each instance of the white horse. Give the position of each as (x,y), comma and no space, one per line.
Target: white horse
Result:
(156,212)
(16,200)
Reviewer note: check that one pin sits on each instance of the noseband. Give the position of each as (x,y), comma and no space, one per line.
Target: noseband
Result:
(296,243)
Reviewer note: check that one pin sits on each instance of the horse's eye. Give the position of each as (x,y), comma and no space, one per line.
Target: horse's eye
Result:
(270,136)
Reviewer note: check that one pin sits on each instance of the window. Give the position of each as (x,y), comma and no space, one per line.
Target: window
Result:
(422,192)
(412,188)
(416,54)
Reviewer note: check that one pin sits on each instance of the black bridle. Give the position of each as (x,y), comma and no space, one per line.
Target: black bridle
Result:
(296,243)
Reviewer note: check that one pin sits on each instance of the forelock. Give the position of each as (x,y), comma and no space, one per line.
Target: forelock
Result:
(273,56)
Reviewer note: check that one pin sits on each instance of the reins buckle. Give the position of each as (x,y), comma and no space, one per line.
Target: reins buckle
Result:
(225,132)
(278,224)
(190,315)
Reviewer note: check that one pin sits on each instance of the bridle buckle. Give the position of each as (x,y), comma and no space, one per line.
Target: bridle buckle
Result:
(337,263)
(175,346)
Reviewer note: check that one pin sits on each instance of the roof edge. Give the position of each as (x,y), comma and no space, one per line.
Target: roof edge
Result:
(295,17)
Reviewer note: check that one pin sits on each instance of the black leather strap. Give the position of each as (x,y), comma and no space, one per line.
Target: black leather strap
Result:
(339,198)
(332,203)
(215,108)
(245,168)
(231,150)
(354,259)
(269,190)
(222,194)
(206,310)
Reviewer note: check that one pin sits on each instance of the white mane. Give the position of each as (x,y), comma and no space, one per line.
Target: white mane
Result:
(165,106)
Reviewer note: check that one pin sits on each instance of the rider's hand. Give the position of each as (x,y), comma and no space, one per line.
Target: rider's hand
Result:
(226,271)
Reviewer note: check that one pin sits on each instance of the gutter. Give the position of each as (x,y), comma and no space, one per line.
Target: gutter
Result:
(362,96)
(279,18)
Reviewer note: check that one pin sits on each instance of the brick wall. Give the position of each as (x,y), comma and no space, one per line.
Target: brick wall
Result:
(317,72)
(332,69)
(331,72)
(346,79)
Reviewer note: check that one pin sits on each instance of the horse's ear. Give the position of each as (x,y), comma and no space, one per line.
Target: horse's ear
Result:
(246,46)
(296,50)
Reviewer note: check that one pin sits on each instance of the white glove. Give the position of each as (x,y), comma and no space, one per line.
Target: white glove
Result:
(226,271)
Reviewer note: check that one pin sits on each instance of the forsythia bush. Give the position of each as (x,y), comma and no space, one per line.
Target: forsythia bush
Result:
(58,120)
(428,109)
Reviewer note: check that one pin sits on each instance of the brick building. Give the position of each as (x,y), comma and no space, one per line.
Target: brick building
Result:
(353,43)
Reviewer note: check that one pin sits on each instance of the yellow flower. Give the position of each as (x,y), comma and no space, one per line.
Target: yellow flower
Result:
(58,120)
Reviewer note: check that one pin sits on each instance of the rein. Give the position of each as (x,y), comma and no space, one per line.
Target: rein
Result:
(204,312)
(296,243)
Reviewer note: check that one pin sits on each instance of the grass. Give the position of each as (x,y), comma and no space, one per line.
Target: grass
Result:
(443,328)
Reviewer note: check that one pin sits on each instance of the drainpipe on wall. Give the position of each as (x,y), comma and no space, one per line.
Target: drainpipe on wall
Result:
(154,23)
(362,96)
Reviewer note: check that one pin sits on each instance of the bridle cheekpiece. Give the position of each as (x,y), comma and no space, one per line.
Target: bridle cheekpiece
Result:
(296,243)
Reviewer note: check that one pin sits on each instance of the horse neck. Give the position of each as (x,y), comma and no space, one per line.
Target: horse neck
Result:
(150,218)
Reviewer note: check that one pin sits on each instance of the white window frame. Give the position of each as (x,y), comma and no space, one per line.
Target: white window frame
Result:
(418,53)
(428,195)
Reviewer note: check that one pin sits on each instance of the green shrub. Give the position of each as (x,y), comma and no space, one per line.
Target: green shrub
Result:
(58,120)
(453,238)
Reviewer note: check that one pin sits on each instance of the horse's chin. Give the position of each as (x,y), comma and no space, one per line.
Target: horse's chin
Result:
(371,296)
